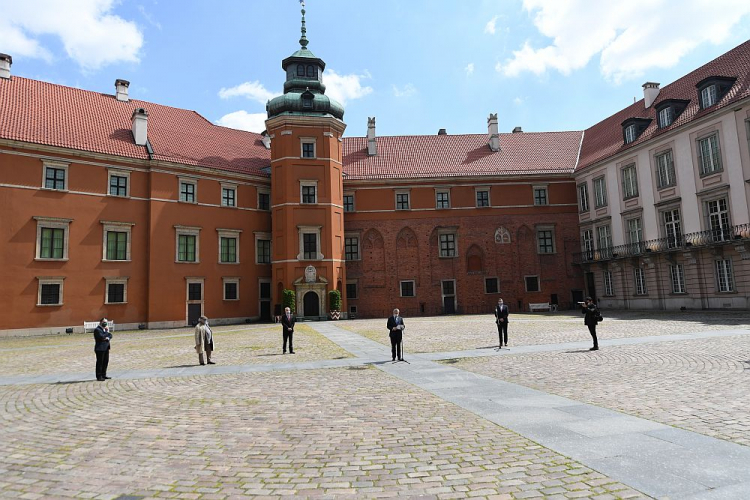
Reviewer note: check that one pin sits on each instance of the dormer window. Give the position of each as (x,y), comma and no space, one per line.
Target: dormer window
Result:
(668,111)
(300,70)
(666,117)
(712,89)
(630,133)
(307,100)
(632,128)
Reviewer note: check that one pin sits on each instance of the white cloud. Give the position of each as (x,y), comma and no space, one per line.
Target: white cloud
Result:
(405,91)
(242,120)
(630,37)
(343,88)
(491,25)
(469,69)
(518,101)
(91,35)
(252,90)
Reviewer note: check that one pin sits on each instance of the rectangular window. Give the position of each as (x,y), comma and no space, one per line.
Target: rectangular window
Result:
(195,291)
(442,199)
(724,277)
(640,281)
(351,248)
(709,155)
(115,293)
(53,243)
(718,220)
(635,231)
(118,185)
(351,290)
(407,289)
(666,116)
(264,201)
(50,294)
(673,228)
(600,193)
(348,203)
(308,194)
(583,197)
(228,250)
(229,196)
(54,178)
(708,96)
(540,196)
(117,245)
(608,288)
(448,245)
(230,290)
(264,251)
(402,201)
(187,191)
(678,278)
(629,182)
(308,150)
(310,246)
(532,283)
(491,286)
(483,198)
(545,241)
(665,170)
(186,248)
(604,236)
(629,134)
(587,240)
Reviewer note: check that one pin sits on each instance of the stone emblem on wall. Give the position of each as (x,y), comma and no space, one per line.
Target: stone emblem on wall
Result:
(502,236)
(311,274)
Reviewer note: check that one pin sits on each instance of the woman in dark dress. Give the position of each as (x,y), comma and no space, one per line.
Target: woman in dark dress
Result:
(591,319)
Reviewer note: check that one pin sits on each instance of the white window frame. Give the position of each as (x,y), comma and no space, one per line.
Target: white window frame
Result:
(187,231)
(408,198)
(445,232)
(229,233)
(359,246)
(526,283)
(724,270)
(605,230)
(600,192)
(113,172)
(609,289)
(257,201)
(551,229)
(119,227)
(354,202)
(304,184)
(483,189)
(639,277)
(401,288)
(50,280)
(709,93)
(122,280)
(58,165)
(629,175)
(187,180)
(677,278)
(670,227)
(224,282)
(587,243)
(308,140)
(438,192)
(583,198)
(665,172)
(309,230)
(723,231)
(630,133)
(715,162)
(546,195)
(638,230)
(497,281)
(666,117)
(52,223)
(231,187)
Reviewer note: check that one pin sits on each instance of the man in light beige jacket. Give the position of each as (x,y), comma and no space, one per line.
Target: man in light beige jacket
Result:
(204,340)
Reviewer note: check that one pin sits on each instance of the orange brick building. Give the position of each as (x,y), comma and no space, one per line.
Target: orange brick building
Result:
(152,215)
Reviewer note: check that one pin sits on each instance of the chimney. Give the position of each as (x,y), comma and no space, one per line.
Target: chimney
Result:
(5,62)
(492,132)
(442,131)
(265,139)
(121,88)
(650,93)
(372,145)
(517,130)
(140,126)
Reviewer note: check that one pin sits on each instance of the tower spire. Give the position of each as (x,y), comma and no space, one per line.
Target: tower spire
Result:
(303,39)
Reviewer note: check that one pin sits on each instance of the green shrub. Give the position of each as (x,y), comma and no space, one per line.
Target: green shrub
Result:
(289,300)
(334,300)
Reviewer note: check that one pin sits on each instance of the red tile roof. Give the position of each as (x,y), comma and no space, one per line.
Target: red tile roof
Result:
(421,156)
(605,138)
(54,115)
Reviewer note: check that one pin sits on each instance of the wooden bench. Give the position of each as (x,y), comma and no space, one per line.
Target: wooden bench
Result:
(91,326)
(540,306)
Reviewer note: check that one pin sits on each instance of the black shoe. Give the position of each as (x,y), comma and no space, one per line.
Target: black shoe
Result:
(400,359)
(203,364)
(394,359)
(594,349)
(211,363)
(99,379)
(107,378)
(291,352)
(283,352)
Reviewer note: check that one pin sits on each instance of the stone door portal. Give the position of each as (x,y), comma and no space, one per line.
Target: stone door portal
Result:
(311,304)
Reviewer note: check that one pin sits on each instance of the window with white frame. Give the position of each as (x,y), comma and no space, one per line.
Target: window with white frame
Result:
(188,190)
(308,147)
(52,235)
(709,96)
(640,281)
(55,176)
(672,227)
(348,202)
(447,245)
(635,230)
(116,244)
(629,182)
(545,238)
(187,244)
(540,195)
(309,192)
(677,276)
(665,176)
(231,289)
(532,283)
(351,247)
(491,285)
(583,197)
(228,195)
(264,199)
(600,193)
(407,288)
(309,243)
(717,212)
(609,290)
(630,133)
(666,117)
(483,197)
(229,246)
(119,183)
(604,236)
(709,155)
(442,198)
(50,291)
(402,200)
(116,290)
(724,275)
(587,243)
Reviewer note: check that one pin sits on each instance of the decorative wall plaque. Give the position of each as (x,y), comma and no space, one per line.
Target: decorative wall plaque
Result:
(311,274)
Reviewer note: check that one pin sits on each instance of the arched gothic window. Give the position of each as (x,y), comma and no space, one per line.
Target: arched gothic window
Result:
(502,236)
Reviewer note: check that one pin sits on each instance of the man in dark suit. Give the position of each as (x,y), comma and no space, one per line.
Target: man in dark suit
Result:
(501,318)
(395,332)
(287,323)
(102,337)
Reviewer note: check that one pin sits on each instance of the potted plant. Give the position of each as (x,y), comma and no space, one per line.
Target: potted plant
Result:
(334,304)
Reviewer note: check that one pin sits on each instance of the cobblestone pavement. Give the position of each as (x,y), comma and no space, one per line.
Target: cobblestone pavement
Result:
(343,432)
(699,385)
(454,333)
(246,344)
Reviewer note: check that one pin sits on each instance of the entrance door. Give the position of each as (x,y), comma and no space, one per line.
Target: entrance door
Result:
(311,304)
(577,296)
(265,301)
(194,302)
(449,296)
(591,285)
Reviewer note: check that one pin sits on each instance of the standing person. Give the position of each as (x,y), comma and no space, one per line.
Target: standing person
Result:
(591,319)
(395,332)
(204,340)
(501,318)
(287,324)
(102,336)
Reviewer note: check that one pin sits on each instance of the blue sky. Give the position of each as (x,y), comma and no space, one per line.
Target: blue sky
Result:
(416,65)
